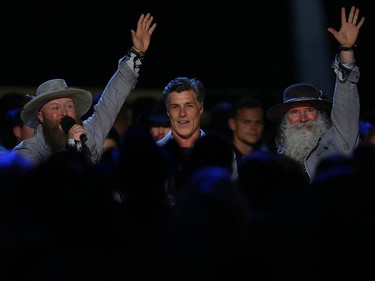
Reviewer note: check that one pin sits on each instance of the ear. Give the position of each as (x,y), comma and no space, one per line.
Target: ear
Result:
(231,124)
(40,116)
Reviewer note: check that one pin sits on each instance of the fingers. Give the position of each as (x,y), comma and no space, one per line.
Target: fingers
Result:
(351,14)
(361,22)
(352,17)
(152,28)
(355,16)
(140,21)
(147,22)
(343,15)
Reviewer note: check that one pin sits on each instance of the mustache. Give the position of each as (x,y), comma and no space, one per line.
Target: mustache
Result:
(309,124)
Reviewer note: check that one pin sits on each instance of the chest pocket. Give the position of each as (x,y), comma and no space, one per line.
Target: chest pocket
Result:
(329,148)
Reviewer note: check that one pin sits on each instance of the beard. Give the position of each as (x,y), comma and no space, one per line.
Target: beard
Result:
(296,141)
(54,137)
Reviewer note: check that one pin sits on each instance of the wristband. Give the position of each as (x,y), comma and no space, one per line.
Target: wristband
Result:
(138,54)
(347,49)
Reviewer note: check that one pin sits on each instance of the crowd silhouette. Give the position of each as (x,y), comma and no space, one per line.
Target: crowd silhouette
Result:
(66,219)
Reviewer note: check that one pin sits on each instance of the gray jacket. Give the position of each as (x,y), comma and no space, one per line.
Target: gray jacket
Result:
(98,125)
(343,136)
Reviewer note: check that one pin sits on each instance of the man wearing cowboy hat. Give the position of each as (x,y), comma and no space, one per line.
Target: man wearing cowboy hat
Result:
(309,127)
(54,101)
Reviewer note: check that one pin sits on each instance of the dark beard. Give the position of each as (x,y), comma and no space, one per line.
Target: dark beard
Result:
(54,137)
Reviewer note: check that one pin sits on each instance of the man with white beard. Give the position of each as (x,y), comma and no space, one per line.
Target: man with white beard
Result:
(312,128)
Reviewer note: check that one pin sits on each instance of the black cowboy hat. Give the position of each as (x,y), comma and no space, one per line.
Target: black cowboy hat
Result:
(301,94)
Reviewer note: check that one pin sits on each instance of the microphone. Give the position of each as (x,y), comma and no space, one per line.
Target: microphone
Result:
(67,122)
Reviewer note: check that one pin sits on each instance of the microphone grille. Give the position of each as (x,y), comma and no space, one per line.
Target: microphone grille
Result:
(67,122)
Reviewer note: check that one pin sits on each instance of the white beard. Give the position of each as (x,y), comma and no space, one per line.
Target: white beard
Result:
(300,141)
(297,141)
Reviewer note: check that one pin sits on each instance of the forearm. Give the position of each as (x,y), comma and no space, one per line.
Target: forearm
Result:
(347,54)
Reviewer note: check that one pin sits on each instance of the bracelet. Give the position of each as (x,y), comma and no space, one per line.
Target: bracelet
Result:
(347,49)
(138,54)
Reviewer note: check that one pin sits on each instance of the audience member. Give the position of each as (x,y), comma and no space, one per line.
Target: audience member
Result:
(141,108)
(343,200)
(218,120)
(137,180)
(158,121)
(209,150)
(60,230)
(306,132)
(280,217)
(13,130)
(247,124)
(367,131)
(206,236)
(54,100)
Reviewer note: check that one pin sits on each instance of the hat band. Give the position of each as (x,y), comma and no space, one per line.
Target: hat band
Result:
(303,99)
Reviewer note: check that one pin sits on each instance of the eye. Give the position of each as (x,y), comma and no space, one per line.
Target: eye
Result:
(293,112)
(69,106)
(310,110)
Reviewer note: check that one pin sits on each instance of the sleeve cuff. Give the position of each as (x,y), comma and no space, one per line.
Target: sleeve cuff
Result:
(342,69)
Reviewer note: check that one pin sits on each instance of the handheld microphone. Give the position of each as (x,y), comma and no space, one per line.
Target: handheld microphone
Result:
(67,122)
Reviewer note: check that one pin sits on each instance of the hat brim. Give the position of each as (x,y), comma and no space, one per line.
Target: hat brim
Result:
(277,112)
(81,98)
(158,119)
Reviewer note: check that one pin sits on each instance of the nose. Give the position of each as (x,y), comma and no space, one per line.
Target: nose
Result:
(64,111)
(302,116)
(183,112)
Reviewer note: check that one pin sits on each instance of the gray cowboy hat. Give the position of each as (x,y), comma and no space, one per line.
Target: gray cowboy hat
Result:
(50,90)
(302,94)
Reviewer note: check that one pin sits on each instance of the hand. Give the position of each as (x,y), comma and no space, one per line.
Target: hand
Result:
(77,132)
(348,33)
(142,36)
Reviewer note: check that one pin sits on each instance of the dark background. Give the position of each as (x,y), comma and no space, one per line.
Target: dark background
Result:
(234,47)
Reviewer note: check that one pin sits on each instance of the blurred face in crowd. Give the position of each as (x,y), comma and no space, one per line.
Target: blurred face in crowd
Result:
(247,127)
(185,113)
(23,132)
(158,131)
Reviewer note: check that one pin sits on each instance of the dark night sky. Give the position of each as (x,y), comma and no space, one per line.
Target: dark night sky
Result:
(226,45)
